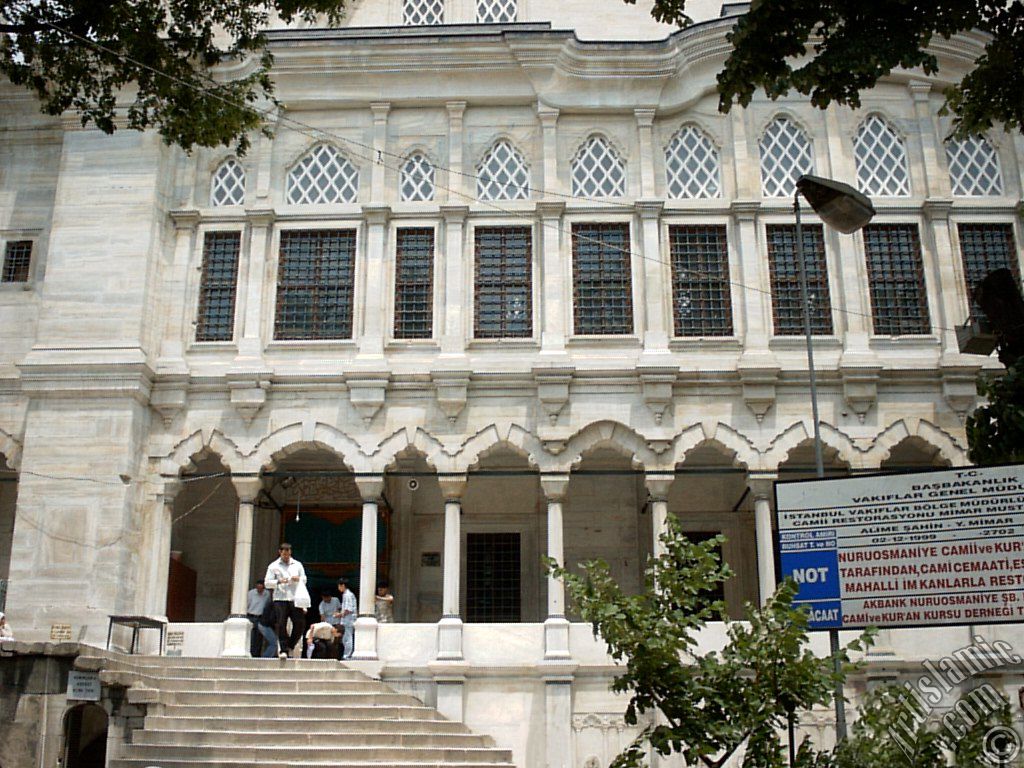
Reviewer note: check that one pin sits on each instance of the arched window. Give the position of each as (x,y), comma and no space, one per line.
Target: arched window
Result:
(323,176)
(416,181)
(881,159)
(496,11)
(227,187)
(417,13)
(597,170)
(974,167)
(785,157)
(502,174)
(692,167)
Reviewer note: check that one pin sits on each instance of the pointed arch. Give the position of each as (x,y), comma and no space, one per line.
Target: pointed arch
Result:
(693,167)
(880,154)
(887,440)
(300,436)
(799,433)
(974,167)
(608,434)
(731,441)
(322,175)
(503,173)
(598,169)
(786,154)
(416,178)
(227,183)
(198,445)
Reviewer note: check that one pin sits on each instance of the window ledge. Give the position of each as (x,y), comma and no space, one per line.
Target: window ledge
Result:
(708,343)
(800,342)
(395,345)
(25,287)
(283,345)
(508,343)
(605,340)
(212,346)
(902,342)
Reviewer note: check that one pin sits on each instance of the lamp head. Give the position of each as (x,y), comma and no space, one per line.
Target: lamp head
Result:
(839,205)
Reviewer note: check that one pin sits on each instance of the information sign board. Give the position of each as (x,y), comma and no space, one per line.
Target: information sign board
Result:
(902,550)
(83,686)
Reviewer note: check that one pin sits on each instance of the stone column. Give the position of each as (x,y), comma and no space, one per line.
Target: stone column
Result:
(765,541)
(936,181)
(944,296)
(380,109)
(549,128)
(754,310)
(655,292)
(558,716)
(449,675)
(657,487)
(556,304)
(556,626)
(237,626)
(645,130)
(160,549)
(453,338)
(366,624)
(371,338)
(456,181)
(176,335)
(260,223)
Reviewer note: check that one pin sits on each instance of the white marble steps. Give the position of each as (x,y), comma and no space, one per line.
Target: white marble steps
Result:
(228,713)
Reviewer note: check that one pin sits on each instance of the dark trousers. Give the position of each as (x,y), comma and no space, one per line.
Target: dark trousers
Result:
(255,638)
(285,609)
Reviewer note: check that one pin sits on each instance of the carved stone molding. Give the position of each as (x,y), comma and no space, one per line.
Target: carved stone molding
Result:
(366,392)
(860,387)
(451,388)
(553,389)
(656,383)
(759,387)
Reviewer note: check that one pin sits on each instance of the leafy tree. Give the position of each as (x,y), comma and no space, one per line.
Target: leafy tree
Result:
(995,431)
(710,704)
(151,61)
(832,50)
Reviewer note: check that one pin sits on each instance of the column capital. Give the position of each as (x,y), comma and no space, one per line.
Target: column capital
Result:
(184,218)
(247,488)
(645,116)
(454,214)
(456,109)
(761,488)
(260,217)
(550,209)
(658,484)
(380,110)
(649,209)
(170,490)
(919,89)
(745,210)
(548,115)
(370,487)
(937,208)
(452,487)
(377,213)
(554,486)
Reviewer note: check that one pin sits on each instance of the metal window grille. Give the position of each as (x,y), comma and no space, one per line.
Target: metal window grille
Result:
(227,187)
(881,159)
(495,11)
(493,577)
(986,248)
(414,283)
(416,183)
(17,261)
(896,279)
(503,283)
(324,175)
(422,12)
(787,310)
(215,319)
(974,168)
(315,277)
(597,170)
(701,300)
(503,174)
(785,157)
(692,167)
(602,284)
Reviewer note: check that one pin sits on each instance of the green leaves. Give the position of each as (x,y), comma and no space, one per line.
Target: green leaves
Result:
(149,63)
(711,703)
(995,431)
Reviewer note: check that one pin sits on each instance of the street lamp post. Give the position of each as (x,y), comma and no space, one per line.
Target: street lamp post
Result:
(845,209)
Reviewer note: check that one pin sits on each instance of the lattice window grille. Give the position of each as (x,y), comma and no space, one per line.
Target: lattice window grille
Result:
(984,249)
(323,176)
(784,269)
(974,169)
(315,279)
(597,170)
(785,157)
(496,11)
(602,282)
(416,184)
(417,13)
(215,318)
(414,283)
(896,279)
(502,283)
(881,159)
(692,165)
(503,174)
(17,262)
(227,187)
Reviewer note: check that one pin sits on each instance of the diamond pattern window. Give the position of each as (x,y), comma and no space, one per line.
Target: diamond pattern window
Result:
(315,275)
(597,170)
(417,13)
(503,174)
(701,302)
(323,176)
(986,248)
(881,159)
(496,11)
(414,283)
(787,309)
(17,261)
(692,166)
(786,155)
(416,182)
(227,187)
(215,320)
(974,169)
(503,283)
(602,283)
(896,279)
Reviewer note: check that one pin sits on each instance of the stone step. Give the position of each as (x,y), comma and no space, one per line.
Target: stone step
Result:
(283,762)
(337,754)
(214,662)
(259,684)
(311,712)
(274,671)
(272,698)
(392,737)
(348,725)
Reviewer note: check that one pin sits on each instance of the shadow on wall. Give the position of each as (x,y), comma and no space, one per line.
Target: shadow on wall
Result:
(85,737)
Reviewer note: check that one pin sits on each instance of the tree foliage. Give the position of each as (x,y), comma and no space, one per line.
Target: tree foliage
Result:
(995,431)
(152,63)
(710,704)
(832,50)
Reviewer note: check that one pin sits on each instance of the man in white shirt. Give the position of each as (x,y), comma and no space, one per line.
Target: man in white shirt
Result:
(287,578)
(256,601)
(347,614)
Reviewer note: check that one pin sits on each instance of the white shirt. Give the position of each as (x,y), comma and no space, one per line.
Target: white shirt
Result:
(278,571)
(348,603)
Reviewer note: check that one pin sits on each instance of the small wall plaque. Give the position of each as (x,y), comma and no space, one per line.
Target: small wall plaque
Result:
(60,633)
(430,559)
(83,686)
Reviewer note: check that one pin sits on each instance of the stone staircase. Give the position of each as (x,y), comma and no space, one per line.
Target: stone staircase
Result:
(286,714)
